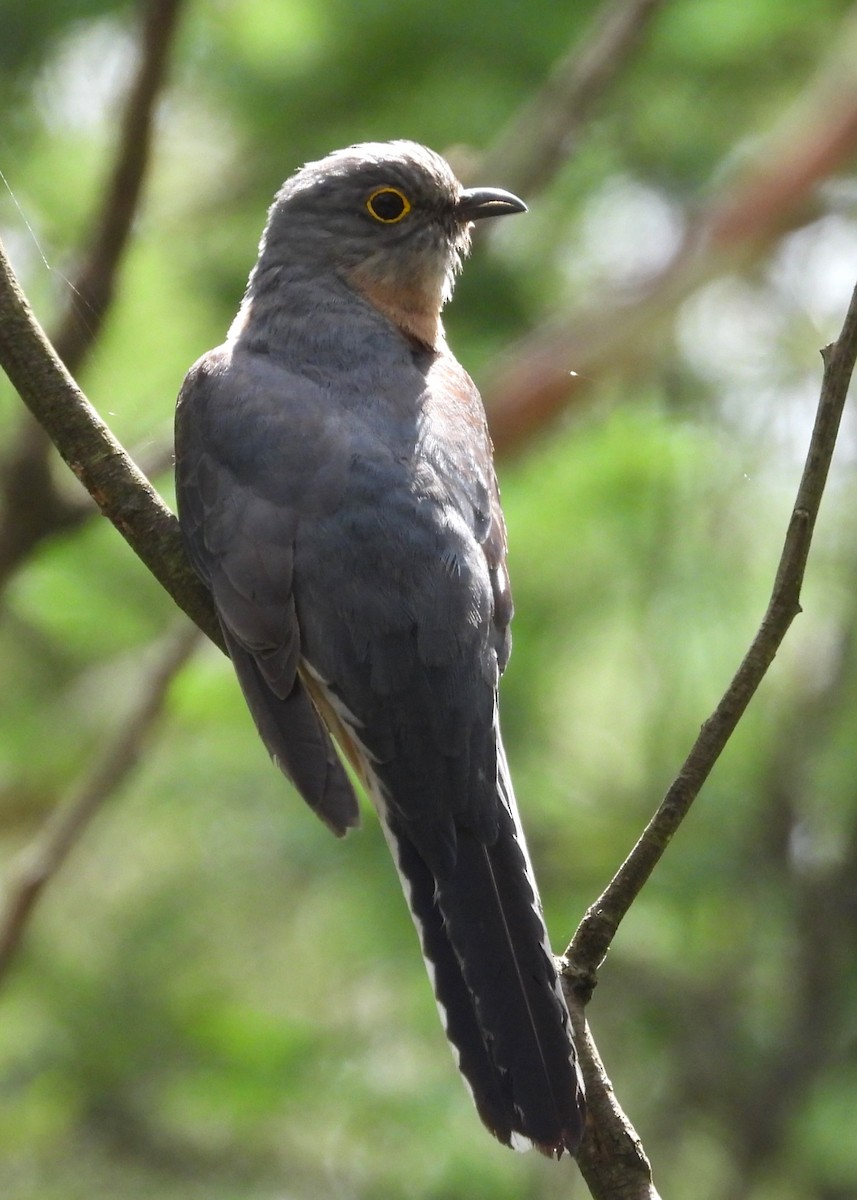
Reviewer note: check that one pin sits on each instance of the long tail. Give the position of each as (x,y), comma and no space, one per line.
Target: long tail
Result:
(487,953)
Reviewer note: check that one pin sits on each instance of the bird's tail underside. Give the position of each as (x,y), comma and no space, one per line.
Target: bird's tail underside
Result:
(487,953)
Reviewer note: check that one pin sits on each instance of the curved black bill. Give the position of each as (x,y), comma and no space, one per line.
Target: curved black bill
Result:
(476,203)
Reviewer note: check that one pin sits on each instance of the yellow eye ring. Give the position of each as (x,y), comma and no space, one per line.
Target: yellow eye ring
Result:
(388,205)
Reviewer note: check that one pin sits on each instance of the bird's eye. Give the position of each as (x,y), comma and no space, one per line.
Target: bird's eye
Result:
(388,204)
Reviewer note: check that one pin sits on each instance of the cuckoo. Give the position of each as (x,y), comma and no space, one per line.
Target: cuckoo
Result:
(337,495)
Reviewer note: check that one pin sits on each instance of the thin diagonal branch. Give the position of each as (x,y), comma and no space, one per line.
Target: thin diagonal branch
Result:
(598,927)
(31,506)
(41,860)
(93,286)
(117,486)
(542,136)
(775,190)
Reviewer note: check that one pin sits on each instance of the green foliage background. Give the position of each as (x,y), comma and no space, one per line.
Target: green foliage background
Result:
(218,999)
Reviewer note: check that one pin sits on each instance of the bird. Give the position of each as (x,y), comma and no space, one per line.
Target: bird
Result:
(337,495)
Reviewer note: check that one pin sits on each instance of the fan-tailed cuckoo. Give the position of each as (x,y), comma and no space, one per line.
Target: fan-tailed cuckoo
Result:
(337,495)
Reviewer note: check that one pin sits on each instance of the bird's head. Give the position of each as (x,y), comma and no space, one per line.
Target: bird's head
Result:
(391,219)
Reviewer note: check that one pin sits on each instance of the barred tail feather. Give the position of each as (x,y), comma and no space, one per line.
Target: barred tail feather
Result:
(487,953)
(453,997)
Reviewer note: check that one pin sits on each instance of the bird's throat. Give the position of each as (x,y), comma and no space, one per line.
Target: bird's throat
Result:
(414,308)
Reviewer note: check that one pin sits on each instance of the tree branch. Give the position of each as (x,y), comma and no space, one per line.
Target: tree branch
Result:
(40,862)
(538,140)
(554,365)
(611,1158)
(119,489)
(31,506)
(598,927)
(93,286)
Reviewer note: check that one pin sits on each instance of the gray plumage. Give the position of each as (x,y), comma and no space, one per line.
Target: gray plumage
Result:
(337,495)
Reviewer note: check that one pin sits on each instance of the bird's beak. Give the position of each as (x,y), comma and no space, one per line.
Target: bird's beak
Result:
(476,203)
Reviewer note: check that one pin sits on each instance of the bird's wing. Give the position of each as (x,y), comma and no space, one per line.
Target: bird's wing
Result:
(396,592)
(239,514)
